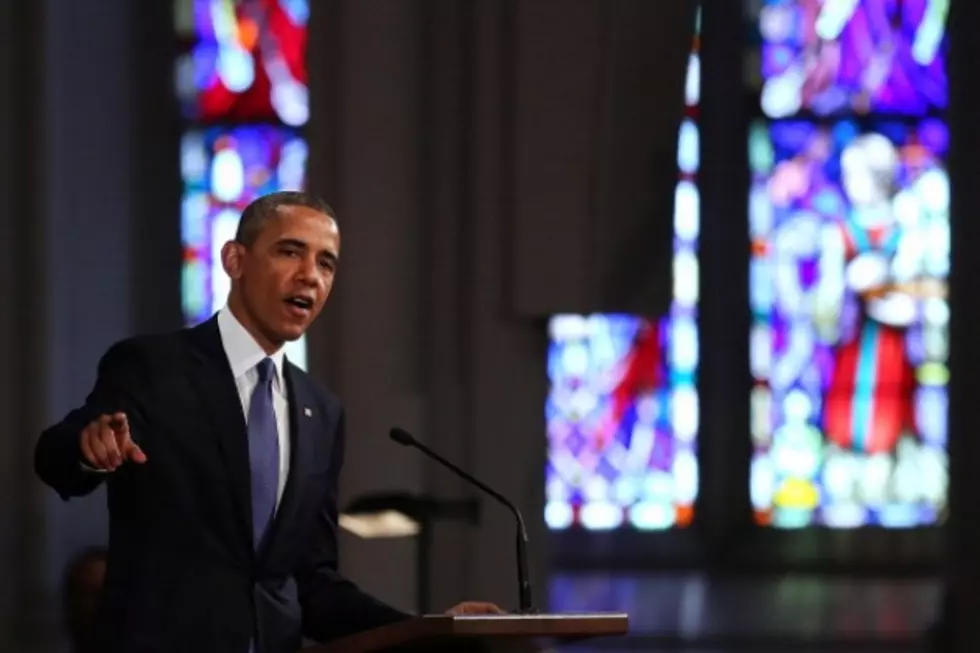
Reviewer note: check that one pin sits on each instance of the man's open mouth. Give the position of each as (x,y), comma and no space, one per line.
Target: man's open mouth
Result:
(300,302)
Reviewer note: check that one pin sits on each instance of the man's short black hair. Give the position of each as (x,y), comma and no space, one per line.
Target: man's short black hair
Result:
(261,209)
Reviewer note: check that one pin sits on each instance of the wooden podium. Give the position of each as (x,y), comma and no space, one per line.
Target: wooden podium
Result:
(480,633)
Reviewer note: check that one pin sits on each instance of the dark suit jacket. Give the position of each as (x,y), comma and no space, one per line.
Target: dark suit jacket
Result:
(182,574)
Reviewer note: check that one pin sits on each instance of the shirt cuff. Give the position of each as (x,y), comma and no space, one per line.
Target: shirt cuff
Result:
(88,468)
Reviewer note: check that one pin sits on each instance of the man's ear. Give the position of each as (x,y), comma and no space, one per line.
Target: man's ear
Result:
(232,258)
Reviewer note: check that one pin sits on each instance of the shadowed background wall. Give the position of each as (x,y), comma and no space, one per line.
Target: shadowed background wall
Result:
(89,246)
(462,218)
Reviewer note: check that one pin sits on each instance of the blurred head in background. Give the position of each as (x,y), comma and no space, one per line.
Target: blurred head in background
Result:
(81,595)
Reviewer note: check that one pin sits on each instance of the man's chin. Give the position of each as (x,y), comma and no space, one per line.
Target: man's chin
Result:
(292,334)
(293,328)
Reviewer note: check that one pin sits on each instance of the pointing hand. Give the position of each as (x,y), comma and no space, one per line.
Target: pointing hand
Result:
(107,444)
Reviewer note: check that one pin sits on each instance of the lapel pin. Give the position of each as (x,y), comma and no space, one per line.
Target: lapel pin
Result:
(308,412)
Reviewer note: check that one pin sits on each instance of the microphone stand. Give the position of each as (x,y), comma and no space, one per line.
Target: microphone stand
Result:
(525,600)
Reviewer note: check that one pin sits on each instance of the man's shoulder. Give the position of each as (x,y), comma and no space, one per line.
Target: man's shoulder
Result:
(315,386)
(146,348)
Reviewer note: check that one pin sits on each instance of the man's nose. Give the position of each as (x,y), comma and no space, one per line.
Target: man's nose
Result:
(308,272)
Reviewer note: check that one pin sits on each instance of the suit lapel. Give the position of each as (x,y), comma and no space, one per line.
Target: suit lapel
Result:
(304,426)
(215,382)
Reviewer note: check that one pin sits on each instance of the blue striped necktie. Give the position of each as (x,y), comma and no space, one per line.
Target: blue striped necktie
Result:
(263,452)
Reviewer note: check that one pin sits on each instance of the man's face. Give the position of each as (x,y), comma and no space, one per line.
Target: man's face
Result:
(285,277)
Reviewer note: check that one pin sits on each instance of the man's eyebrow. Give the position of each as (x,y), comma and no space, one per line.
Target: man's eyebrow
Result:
(300,244)
(294,242)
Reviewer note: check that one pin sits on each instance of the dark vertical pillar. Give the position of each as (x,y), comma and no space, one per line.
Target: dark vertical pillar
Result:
(81,224)
(87,210)
(447,121)
(964,425)
(366,144)
(21,312)
(508,380)
(724,508)
(110,216)
(409,139)
(155,168)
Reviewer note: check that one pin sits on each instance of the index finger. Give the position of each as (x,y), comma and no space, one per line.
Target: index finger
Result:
(120,429)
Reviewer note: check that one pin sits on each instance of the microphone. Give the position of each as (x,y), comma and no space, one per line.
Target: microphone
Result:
(406,439)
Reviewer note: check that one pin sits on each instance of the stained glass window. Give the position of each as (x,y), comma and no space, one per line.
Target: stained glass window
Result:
(223,170)
(849,219)
(852,56)
(243,60)
(622,409)
(242,81)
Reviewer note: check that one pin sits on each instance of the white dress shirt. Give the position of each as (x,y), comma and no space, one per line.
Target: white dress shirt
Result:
(244,354)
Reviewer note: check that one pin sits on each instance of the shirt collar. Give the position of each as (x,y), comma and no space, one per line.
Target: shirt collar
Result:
(243,352)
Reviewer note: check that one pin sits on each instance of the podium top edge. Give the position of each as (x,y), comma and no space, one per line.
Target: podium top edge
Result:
(557,616)
(427,628)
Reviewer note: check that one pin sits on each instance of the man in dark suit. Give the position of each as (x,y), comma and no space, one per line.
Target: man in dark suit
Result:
(221,461)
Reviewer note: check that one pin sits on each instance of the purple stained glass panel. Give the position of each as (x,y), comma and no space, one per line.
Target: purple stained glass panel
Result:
(839,57)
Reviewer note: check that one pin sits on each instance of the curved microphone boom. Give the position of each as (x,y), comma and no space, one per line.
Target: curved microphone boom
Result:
(406,439)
